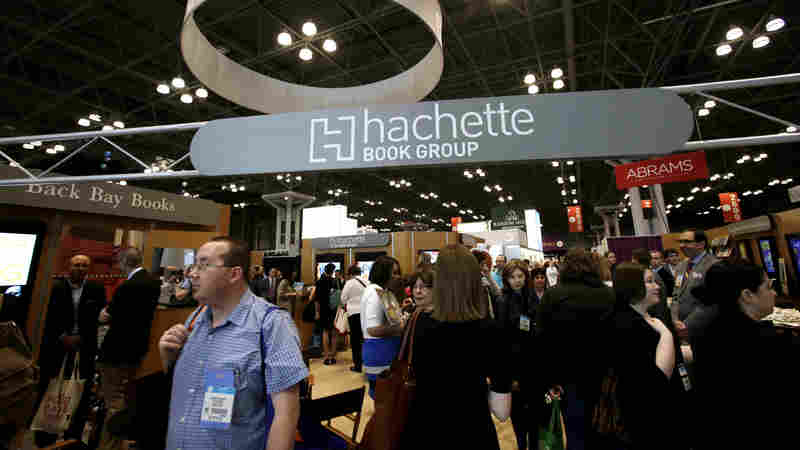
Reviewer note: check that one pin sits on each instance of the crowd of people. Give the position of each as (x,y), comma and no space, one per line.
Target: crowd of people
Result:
(652,352)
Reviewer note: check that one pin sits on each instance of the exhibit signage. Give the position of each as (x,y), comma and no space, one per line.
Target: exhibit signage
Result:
(575,218)
(620,123)
(504,218)
(682,167)
(357,241)
(731,207)
(109,198)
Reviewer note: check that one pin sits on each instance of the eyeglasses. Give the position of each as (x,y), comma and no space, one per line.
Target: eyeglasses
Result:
(201,267)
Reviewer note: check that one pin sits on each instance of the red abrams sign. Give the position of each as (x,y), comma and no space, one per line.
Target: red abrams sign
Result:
(682,167)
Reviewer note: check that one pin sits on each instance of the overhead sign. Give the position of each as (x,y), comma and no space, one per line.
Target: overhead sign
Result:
(731,207)
(674,168)
(109,198)
(619,123)
(575,218)
(454,222)
(504,218)
(357,241)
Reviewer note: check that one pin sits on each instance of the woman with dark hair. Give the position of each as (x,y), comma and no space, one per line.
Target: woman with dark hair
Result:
(641,351)
(515,318)
(745,369)
(456,348)
(351,299)
(421,284)
(381,319)
(567,330)
(323,289)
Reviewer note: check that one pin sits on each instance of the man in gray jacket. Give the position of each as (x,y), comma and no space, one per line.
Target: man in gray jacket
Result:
(690,315)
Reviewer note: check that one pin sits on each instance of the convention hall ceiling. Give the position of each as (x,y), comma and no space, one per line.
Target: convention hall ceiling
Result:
(63,60)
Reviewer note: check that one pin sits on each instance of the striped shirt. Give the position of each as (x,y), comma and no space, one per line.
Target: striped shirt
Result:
(254,330)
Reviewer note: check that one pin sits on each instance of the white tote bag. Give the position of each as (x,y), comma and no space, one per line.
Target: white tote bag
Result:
(60,402)
(340,322)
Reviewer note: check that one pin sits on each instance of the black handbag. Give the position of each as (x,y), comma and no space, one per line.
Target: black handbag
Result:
(310,312)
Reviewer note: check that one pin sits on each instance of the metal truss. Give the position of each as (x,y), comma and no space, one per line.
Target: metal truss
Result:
(701,89)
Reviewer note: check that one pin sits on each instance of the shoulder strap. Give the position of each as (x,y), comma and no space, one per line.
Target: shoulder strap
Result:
(196,313)
(362,283)
(407,347)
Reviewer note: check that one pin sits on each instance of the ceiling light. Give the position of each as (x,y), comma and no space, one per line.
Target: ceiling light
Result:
(509,198)
(201,93)
(557,73)
(724,49)
(706,189)
(107,128)
(563,192)
(178,83)
(555,164)
(763,156)
(702,112)
(461,211)
(184,184)
(501,200)
(758,192)
(761,41)
(558,84)
(791,129)
(787,181)
(710,104)
(739,161)
(329,45)
(279,177)
(533,89)
(163,88)
(187,98)
(569,163)
(746,193)
(734,33)
(59,148)
(530,78)
(123,183)
(572,178)
(497,187)
(774,182)
(695,190)
(574,201)
(95,117)
(185,194)
(51,151)
(306,54)
(309,29)
(757,159)
(746,157)
(574,192)
(28,146)
(560,180)
(775,24)
(680,199)
(285,39)
(690,198)
(298,178)
(487,189)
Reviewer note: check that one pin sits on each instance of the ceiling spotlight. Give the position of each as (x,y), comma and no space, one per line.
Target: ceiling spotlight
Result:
(574,192)
(558,84)
(501,200)
(119,124)
(574,201)
(59,148)
(710,104)
(560,180)
(285,39)
(498,188)
(178,83)
(163,88)
(309,29)
(758,192)
(28,146)
(329,45)
(557,73)
(569,163)
(734,33)
(706,189)
(187,98)
(555,163)
(533,89)
(702,112)
(306,54)
(695,190)
(572,178)
(775,24)
(530,78)
(774,182)
(680,199)
(51,151)
(745,157)
(185,183)
(95,117)
(201,93)
(487,189)
(298,178)
(107,128)
(690,198)
(787,181)
(791,129)
(761,41)
(730,175)
(509,198)
(84,122)
(724,49)
(123,183)
(746,193)
(563,192)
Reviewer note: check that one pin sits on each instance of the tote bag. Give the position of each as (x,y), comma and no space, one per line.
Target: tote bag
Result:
(60,401)
(341,324)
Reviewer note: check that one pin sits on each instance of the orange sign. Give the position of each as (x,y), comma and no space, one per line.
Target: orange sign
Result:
(731,208)
(575,218)
(647,203)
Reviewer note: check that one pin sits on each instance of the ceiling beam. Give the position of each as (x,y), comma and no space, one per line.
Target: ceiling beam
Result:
(611,42)
(452,28)
(704,37)
(744,41)
(532,32)
(569,42)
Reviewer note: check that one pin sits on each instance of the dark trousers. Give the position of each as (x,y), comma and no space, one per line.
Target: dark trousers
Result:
(356,339)
(521,419)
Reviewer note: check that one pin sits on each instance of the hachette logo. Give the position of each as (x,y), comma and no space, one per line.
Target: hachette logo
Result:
(663,170)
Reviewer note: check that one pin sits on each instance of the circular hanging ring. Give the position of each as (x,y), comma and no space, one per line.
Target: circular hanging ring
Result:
(259,92)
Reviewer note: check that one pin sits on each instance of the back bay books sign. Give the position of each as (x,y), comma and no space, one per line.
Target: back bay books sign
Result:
(111,199)
(620,123)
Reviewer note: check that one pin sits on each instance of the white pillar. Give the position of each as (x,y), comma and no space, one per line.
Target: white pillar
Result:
(640,225)
(616,226)
(278,221)
(660,224)
(606,227)
(287,236)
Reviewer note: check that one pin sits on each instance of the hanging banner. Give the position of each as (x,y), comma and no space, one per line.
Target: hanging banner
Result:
(731,208)
(647,204)
(621,123)
(454,221)
(675,168)
(575,218)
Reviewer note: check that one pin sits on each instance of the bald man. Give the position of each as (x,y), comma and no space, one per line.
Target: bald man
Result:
(70,327)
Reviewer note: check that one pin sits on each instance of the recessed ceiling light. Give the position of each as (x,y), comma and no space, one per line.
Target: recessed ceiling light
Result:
(791,129)
(123,183)
(557,72)
(178,83)
(306,54)
(775,24)
(533,89)
(558,84)
(555,163)
(530,78)
(285,39)
(309,29)
(710,104)
(119,124)
(734,33)
(51,151)
(702,112)
(95,117)
(761,42)
(201,93)
(724,49)
(187,98)
(163,88)
(59,148)
(28,146)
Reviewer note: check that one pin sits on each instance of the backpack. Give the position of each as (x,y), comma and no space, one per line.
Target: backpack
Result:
(19,377)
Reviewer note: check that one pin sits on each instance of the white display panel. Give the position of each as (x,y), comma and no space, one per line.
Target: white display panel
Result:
(16,257)
(326,221)
(533,223)
(473,227)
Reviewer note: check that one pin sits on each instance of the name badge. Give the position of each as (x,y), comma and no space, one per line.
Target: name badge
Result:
(679,280)
(218,399)
(524,323)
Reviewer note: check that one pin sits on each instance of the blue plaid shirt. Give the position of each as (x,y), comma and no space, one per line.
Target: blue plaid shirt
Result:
(235,345)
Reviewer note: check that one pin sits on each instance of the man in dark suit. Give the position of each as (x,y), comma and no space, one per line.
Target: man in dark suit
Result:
(692,315)
(258,282)
(662,270)
(130,317)
(70,328)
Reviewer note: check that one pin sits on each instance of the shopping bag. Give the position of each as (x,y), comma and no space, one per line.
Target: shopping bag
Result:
(341,321)
(552,436)
(19,377)
(60,401)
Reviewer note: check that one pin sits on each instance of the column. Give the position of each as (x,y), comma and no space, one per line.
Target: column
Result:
(287,237)
(298,215)
(606,228)
(659,222)
(278,214)
(640,225)
(616,226)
